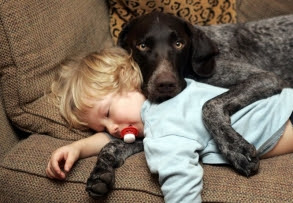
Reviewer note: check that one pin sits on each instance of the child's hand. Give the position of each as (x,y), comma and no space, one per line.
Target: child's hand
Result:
(61,162)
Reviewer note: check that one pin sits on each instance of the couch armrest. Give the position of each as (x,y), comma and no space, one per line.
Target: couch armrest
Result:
(8,137)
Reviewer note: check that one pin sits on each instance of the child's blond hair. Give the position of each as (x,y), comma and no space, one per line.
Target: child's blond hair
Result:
(111,70)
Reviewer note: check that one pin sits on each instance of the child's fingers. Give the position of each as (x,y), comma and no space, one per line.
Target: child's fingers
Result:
(70,160)
(51,173)
(58,174)
(54,165)
(61,162)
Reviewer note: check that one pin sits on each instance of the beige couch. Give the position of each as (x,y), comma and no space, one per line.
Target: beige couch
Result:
(35,36)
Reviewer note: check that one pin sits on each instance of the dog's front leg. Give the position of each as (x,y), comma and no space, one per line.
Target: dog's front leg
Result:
(113,155)
(217,112)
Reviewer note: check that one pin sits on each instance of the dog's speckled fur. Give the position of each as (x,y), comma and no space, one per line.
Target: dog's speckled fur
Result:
(255,61)
(113,155)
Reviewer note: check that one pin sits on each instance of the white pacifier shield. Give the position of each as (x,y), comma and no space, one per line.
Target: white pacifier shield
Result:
(129,138)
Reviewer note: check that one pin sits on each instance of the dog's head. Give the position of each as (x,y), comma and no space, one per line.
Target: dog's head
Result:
(167,49)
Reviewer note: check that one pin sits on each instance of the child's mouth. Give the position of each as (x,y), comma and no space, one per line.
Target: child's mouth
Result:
(129,134)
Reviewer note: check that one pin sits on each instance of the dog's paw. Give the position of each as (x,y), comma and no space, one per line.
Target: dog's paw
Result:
(100,182)
(243,157)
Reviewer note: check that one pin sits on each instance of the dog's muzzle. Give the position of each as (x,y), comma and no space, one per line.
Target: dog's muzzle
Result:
(164,87)
(164,83)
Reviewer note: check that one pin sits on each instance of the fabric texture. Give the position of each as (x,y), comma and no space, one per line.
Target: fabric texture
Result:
(251,10)
(37,150)
(8,137)
(174,145)
(34,37)
(53,31)
(194,11)
(28,182)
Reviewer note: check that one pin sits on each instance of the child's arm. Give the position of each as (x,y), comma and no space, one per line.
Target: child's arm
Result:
(64,157)
(284,145)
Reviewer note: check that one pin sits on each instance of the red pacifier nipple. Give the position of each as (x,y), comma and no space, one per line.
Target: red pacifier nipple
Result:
(128,134)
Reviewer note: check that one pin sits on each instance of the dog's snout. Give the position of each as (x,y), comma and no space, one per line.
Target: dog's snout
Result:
(166,84)
(166,87)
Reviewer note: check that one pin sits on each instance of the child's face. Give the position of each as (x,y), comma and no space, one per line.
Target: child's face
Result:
(115,112)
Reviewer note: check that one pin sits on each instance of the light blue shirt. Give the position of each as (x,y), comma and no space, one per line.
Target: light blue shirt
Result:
(176,138)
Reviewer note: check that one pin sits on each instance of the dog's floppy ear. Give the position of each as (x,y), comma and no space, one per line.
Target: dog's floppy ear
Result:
(204,51)
(122,37)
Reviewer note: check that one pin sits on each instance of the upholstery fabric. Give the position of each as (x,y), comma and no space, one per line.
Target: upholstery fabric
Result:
(34,37)
(53,31)
(271,184)
(221,183)
(195,11)
(259,9)
(133,176)
(7,135)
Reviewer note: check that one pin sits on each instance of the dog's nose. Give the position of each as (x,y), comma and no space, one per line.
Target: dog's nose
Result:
(166,85)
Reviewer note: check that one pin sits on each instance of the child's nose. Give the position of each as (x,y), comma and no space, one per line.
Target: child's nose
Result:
(113,129)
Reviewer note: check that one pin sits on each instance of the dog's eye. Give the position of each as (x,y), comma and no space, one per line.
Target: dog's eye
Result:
(142,47)
(178,45)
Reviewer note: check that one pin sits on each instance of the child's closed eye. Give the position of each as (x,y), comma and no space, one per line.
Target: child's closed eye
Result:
(108,113)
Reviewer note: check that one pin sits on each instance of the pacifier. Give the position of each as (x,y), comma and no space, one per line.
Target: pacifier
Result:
(128,134)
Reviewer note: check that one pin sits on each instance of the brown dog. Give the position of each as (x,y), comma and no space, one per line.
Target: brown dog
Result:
(243,58)
(168,49)
(164,47)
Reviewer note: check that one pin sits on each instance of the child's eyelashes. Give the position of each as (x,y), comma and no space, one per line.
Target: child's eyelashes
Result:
(108,113)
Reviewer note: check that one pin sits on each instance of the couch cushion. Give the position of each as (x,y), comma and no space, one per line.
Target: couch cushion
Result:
(37,36)
(8,137)
(195,11)
(273,183)
(251,10)
(134,182)
(25,164)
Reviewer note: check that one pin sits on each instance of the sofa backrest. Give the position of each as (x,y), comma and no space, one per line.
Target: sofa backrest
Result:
(35,36)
